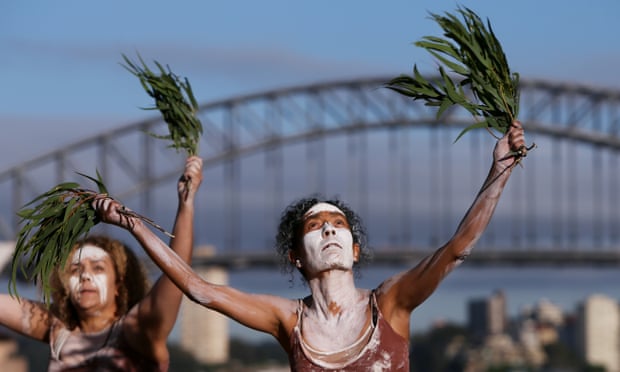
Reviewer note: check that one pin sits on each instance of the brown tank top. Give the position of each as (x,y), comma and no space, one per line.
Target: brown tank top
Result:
(102,351)
(385,350)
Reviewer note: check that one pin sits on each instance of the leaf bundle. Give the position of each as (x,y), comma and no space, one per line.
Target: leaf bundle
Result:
(62,216)
(471,51)
(175,100)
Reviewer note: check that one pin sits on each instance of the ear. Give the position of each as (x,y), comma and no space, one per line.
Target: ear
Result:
(117,287)
(356,252)
(291,256)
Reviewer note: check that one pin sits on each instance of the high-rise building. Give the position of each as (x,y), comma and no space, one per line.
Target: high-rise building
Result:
(488,316)
(598,331)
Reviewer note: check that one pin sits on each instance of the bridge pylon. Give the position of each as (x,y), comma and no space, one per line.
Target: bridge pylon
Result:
(204,332)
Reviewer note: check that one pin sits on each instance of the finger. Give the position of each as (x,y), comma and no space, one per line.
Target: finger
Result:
(194,165)
(100,202)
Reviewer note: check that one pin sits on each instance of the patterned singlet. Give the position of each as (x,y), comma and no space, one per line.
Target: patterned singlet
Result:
(106,350)
(385,350)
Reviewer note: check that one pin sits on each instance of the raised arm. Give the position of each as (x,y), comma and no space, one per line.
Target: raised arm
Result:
(25,317)
(156,314)
(402,293)
(269,314)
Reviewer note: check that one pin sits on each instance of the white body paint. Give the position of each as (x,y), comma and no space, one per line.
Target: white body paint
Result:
(327,251)
(99,280)
(88,252)
(337,322)
(332,252)
(337,333)
(322,207)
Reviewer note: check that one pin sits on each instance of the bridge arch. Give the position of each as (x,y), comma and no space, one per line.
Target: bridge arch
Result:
(570,120)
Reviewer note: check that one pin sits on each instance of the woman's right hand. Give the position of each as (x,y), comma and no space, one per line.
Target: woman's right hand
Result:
(111,211)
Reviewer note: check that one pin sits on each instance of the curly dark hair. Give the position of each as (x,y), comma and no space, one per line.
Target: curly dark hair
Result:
(290,229)
(131,280)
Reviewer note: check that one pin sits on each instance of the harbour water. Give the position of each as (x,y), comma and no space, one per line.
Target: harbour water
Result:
(523,287)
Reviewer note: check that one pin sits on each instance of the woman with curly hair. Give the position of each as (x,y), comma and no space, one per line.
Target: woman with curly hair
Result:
(103,316)
(338,327)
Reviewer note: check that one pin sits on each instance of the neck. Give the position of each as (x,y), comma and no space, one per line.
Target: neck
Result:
(97,321)
(333,292)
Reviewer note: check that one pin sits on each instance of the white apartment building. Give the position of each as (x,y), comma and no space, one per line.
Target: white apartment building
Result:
(598,331)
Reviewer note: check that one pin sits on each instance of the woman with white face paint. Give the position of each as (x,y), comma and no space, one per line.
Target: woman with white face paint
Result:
(338,326)
(103,317)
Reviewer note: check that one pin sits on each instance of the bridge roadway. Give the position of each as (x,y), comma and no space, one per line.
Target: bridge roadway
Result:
(403,257)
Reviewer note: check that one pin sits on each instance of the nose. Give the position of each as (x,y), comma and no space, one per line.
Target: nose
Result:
(84,275)
(328,229)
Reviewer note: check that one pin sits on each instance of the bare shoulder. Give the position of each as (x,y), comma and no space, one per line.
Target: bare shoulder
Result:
(30,318)
(387,289)
(283,307)
(390,292)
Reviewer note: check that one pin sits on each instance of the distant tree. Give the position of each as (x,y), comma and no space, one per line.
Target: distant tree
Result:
(428,350)
(181,360)
(511,368)
(559,355)
(253,353)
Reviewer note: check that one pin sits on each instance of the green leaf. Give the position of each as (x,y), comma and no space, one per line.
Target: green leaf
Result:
(175,100)
(50,230)
(60,217)
(471,50)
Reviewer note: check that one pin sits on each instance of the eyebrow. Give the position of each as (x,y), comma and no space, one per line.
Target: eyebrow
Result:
(331,213)
(93,260)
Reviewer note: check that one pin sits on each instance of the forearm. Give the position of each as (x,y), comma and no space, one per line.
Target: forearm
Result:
(183,231)
(167,296)
(480,212)
(420,282)
(173,266)
(417,284)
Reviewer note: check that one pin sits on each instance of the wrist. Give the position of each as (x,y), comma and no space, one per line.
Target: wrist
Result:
(135,226)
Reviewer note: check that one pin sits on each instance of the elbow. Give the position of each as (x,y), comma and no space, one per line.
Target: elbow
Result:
(195,290)
(460,258)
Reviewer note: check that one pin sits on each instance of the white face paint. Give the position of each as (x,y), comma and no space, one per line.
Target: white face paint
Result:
(322,207)
(327,246)
(90,252)
(89,276)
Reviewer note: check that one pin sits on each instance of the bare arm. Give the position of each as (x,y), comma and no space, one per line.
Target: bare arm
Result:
(156,314)
(404,292)
(26,317)
(269,314)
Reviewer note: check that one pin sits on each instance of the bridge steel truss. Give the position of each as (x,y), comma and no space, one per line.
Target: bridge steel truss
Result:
(389,157)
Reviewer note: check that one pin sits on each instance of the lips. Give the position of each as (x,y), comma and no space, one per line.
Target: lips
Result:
(331,244)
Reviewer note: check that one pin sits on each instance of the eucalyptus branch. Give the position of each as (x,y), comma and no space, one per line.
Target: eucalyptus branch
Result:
(151,222)
(175,100)
(53,222)
(472,52)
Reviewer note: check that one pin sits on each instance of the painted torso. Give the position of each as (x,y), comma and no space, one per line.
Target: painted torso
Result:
(378,348)
(106,351)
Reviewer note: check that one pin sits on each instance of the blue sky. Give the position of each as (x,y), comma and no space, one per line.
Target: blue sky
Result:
(61,77)
(62,80)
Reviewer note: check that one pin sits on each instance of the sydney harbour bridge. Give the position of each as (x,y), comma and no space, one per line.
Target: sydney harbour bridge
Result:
(387,156)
